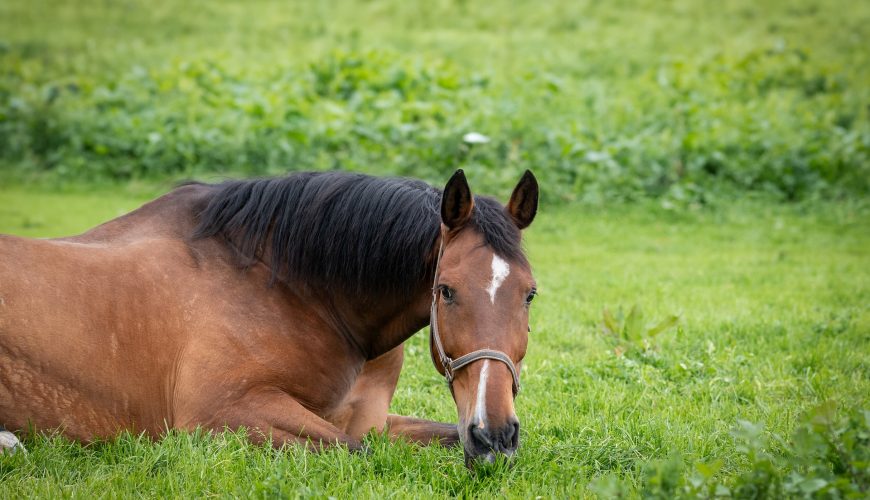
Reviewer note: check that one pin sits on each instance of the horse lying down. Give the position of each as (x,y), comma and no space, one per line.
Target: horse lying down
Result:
(279,305)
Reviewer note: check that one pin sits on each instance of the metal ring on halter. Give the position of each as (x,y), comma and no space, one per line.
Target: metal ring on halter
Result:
(451,366)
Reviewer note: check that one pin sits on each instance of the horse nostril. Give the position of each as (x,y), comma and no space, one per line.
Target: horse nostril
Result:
(510,436)
(505,439)
(479,437)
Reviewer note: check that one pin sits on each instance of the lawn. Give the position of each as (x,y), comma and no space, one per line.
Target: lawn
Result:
(702,250)
(773,329)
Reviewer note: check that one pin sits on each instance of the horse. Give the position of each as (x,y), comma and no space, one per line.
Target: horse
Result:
(275,305)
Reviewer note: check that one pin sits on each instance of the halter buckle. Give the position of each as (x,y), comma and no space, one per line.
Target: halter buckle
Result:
(448,370)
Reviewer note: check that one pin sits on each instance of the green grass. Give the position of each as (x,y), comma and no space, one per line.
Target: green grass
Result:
(774,322)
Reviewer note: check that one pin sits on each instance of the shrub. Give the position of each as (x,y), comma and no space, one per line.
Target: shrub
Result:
(779,120)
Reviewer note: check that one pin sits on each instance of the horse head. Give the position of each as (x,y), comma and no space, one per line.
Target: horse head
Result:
(480,312)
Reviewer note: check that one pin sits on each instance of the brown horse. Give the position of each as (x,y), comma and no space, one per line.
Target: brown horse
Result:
(278,305)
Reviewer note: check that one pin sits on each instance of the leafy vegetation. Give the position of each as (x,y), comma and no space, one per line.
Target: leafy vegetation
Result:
(827,456)
(631,332)
(761,390)
(605,102)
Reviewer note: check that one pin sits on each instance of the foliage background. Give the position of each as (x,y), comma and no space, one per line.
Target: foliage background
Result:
(604,101)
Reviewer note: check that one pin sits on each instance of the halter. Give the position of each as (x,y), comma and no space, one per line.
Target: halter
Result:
(451,366)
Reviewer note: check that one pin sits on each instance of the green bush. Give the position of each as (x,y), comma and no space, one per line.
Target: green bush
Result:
(782,116)
(828,456)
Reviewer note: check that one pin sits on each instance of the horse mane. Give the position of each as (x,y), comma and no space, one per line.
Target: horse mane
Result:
(346,230)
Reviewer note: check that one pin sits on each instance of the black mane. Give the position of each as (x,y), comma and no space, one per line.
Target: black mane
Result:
(351,231)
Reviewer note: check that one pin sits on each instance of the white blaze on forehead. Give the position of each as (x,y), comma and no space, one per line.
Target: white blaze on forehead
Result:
(480,409)
(500,271)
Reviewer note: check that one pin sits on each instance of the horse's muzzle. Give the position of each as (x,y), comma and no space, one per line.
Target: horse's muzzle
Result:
(484,443)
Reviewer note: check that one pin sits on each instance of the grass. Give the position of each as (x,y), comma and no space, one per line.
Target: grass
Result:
(773,324)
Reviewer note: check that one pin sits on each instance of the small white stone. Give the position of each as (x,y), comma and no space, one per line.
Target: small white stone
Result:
(597,156)
(475,138)
(9,443)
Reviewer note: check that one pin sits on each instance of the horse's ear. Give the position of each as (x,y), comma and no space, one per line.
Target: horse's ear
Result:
(457,203)
(523,204)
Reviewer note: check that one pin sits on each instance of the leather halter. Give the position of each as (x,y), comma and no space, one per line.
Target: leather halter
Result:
(451,366)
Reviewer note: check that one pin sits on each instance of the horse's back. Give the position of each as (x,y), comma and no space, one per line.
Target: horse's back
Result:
(74,324)
(62,270)
(169,216)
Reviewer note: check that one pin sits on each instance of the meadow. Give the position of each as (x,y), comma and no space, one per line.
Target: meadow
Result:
(702,250)
(759,390)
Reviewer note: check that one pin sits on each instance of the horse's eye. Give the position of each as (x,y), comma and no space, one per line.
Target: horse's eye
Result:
(447,293)
(531,296)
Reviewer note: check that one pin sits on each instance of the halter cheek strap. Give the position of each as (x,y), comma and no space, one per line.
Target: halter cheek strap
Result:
(451,366)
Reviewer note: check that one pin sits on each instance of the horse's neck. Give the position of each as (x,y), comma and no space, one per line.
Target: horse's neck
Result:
(376,324)
(370,325)
(406,320)
(390,321)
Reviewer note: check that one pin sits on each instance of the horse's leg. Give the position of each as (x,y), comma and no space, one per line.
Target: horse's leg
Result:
(366,406)
(271,413)
(422,431)
(9,443)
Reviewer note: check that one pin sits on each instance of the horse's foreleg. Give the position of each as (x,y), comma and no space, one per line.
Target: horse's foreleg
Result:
(422,431)
(9,443)
(365,406)
(274,414)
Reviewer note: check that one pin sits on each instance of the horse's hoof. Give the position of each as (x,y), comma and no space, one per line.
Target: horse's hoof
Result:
(10,444)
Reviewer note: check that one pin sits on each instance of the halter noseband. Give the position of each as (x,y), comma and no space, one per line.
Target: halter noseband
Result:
(451,366)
